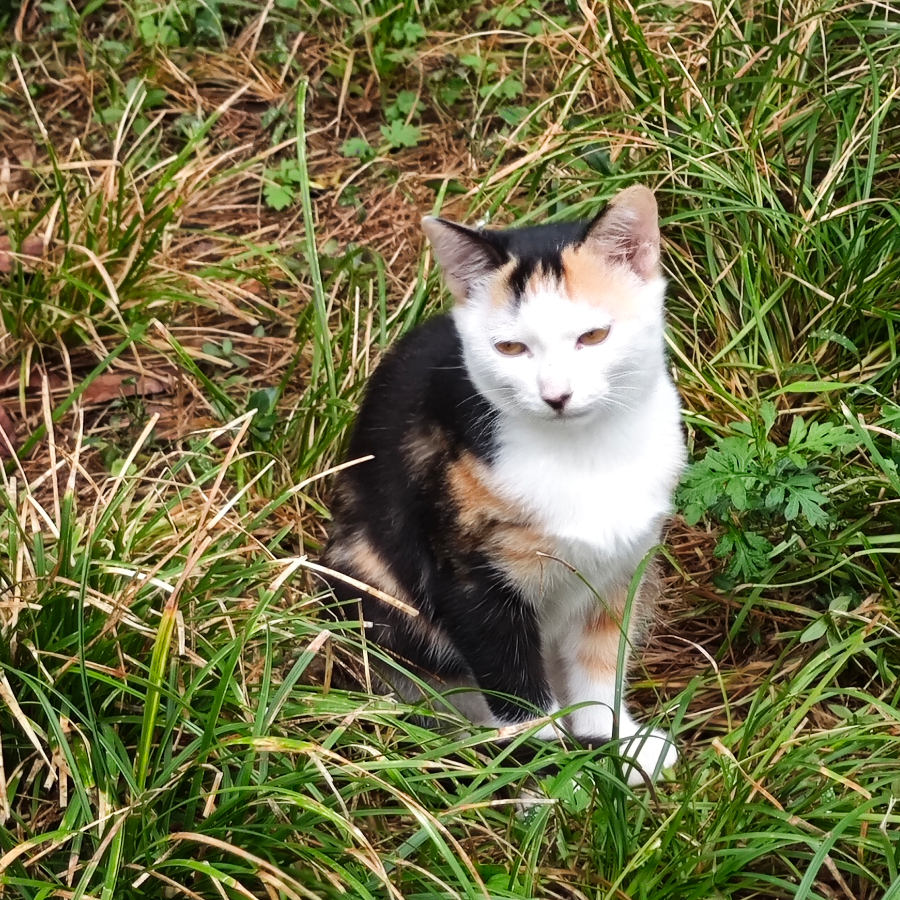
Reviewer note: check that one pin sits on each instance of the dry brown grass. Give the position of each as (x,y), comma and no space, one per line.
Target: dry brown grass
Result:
(221,212)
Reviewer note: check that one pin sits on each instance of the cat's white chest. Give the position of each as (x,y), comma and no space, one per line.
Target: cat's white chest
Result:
(609,509)
(600,495)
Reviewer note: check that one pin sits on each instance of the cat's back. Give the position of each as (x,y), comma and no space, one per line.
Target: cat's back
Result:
(401,381)
(420,416)
(421,421)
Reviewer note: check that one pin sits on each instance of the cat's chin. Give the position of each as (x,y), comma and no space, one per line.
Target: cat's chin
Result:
(567,417)
(539,419)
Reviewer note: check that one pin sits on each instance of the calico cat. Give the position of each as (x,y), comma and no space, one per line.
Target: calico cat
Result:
(525,448)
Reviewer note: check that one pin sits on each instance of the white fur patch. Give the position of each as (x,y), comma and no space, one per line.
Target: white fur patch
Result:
(597,479)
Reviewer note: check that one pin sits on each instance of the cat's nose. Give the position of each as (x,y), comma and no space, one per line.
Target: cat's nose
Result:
(556,401)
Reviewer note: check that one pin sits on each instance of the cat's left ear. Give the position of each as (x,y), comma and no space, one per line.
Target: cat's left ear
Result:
(465,255)
(627,232)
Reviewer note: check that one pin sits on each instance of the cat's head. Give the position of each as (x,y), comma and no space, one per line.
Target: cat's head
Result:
(560,322)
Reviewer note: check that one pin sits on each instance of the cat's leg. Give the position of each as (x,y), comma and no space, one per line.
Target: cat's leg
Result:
(591,655)
(475,630)
(406,632)
(497,633)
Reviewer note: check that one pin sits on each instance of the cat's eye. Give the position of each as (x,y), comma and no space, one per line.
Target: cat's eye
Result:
(594,336)
(510,348)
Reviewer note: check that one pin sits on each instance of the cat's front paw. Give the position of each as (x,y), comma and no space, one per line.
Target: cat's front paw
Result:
(647,753)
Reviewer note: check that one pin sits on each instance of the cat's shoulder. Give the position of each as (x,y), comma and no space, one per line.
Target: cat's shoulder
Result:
(405,372)
(422,386)
(431,339)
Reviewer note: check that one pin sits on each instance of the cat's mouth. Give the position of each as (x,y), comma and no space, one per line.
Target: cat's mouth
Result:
(567,415)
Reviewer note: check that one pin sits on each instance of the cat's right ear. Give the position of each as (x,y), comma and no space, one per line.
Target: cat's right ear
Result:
(465,255)
(627,232)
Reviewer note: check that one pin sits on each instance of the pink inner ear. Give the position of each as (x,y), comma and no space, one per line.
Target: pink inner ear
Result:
(646,260)
(628,232)
(463,255)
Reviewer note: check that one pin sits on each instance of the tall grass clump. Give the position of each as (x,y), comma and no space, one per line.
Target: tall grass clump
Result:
(106,229)
(159,726)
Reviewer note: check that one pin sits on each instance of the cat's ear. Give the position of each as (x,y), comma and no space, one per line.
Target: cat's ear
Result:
(627,232)
(464,254)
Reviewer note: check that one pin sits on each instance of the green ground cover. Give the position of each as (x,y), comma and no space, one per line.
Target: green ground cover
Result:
(209,232)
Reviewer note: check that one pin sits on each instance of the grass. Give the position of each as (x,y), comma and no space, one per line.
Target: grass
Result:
(212,221)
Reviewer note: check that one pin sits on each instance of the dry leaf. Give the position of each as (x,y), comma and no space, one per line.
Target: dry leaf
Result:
(15,167)
(112,385)
(6,260)
(176,421)
(9,380)
(8,442)
(32,246)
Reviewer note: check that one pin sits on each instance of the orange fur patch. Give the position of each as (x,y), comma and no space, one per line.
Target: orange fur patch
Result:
(500,292)
(492,523)
(422,448)
(598,646)
(588,279)
(360,560)
(476,503)
(537,280)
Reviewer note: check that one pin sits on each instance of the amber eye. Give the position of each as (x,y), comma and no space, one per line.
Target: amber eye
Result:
(594,336)
(511,348)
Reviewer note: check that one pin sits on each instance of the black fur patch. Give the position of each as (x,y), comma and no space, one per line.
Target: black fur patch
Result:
(536,249)
(422,417)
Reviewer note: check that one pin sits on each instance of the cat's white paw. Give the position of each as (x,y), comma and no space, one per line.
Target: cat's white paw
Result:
(652,751)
